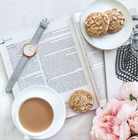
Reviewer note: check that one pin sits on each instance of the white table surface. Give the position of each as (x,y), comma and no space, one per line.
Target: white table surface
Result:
(18,15)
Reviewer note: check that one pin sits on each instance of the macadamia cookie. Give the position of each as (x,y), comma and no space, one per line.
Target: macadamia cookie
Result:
(116,20)
(97,24)
(81,101)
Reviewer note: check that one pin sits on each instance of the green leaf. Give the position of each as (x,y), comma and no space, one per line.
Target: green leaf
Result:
(132,132)
(132,97)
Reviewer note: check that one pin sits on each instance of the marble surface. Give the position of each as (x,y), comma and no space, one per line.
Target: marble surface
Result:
(17,15)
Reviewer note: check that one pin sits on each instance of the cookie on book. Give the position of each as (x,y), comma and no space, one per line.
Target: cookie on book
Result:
(116,20)
(81,101)
(97,24)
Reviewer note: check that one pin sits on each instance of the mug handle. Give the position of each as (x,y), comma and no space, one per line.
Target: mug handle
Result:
(26,137)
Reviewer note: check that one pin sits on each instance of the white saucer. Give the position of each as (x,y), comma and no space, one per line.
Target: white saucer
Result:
(48,94)
(108,41)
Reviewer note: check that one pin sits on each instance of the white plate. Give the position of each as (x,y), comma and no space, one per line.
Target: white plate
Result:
(48,94)
(108,41)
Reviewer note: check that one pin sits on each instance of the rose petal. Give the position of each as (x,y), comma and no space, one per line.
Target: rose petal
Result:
(98,110)
(117,130)
(124,131)
(133,126)
(112,137)
(133,138)
(108,118)
(106,125)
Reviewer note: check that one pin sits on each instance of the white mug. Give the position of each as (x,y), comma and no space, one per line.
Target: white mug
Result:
(29,134)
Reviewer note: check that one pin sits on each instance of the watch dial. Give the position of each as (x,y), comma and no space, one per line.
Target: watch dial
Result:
(29,49)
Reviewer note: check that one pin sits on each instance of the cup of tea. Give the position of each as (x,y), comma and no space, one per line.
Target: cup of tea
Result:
(38,112)
(35,116)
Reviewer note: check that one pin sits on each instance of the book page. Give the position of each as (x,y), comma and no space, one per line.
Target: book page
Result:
(118,62)
(57,62)
(94,59)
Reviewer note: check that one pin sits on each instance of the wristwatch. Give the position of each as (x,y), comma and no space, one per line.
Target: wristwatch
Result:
(29,50)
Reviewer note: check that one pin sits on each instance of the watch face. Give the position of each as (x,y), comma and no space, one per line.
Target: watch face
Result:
(29,49)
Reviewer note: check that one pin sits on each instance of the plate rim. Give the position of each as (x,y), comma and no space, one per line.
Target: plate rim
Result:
(96,46)
(37,137)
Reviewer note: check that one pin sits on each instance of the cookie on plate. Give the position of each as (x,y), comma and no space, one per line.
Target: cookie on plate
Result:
(81,101)
(117,20)
(97,24)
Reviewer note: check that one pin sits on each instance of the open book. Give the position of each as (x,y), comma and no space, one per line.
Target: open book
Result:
(121,63)
(64,61)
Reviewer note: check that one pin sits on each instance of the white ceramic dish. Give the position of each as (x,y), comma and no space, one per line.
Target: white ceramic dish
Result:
(108,41)
(49,95)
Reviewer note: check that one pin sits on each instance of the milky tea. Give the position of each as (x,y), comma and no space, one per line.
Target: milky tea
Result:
(36,115)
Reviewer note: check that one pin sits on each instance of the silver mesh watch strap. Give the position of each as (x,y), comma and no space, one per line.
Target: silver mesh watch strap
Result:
(16,73)
(40,30)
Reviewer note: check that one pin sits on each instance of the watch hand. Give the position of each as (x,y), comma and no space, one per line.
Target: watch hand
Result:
(32,50)
(28,48)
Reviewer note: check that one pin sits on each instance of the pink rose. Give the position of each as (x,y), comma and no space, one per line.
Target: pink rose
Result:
(133,122)
(111,122)
(127,89)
